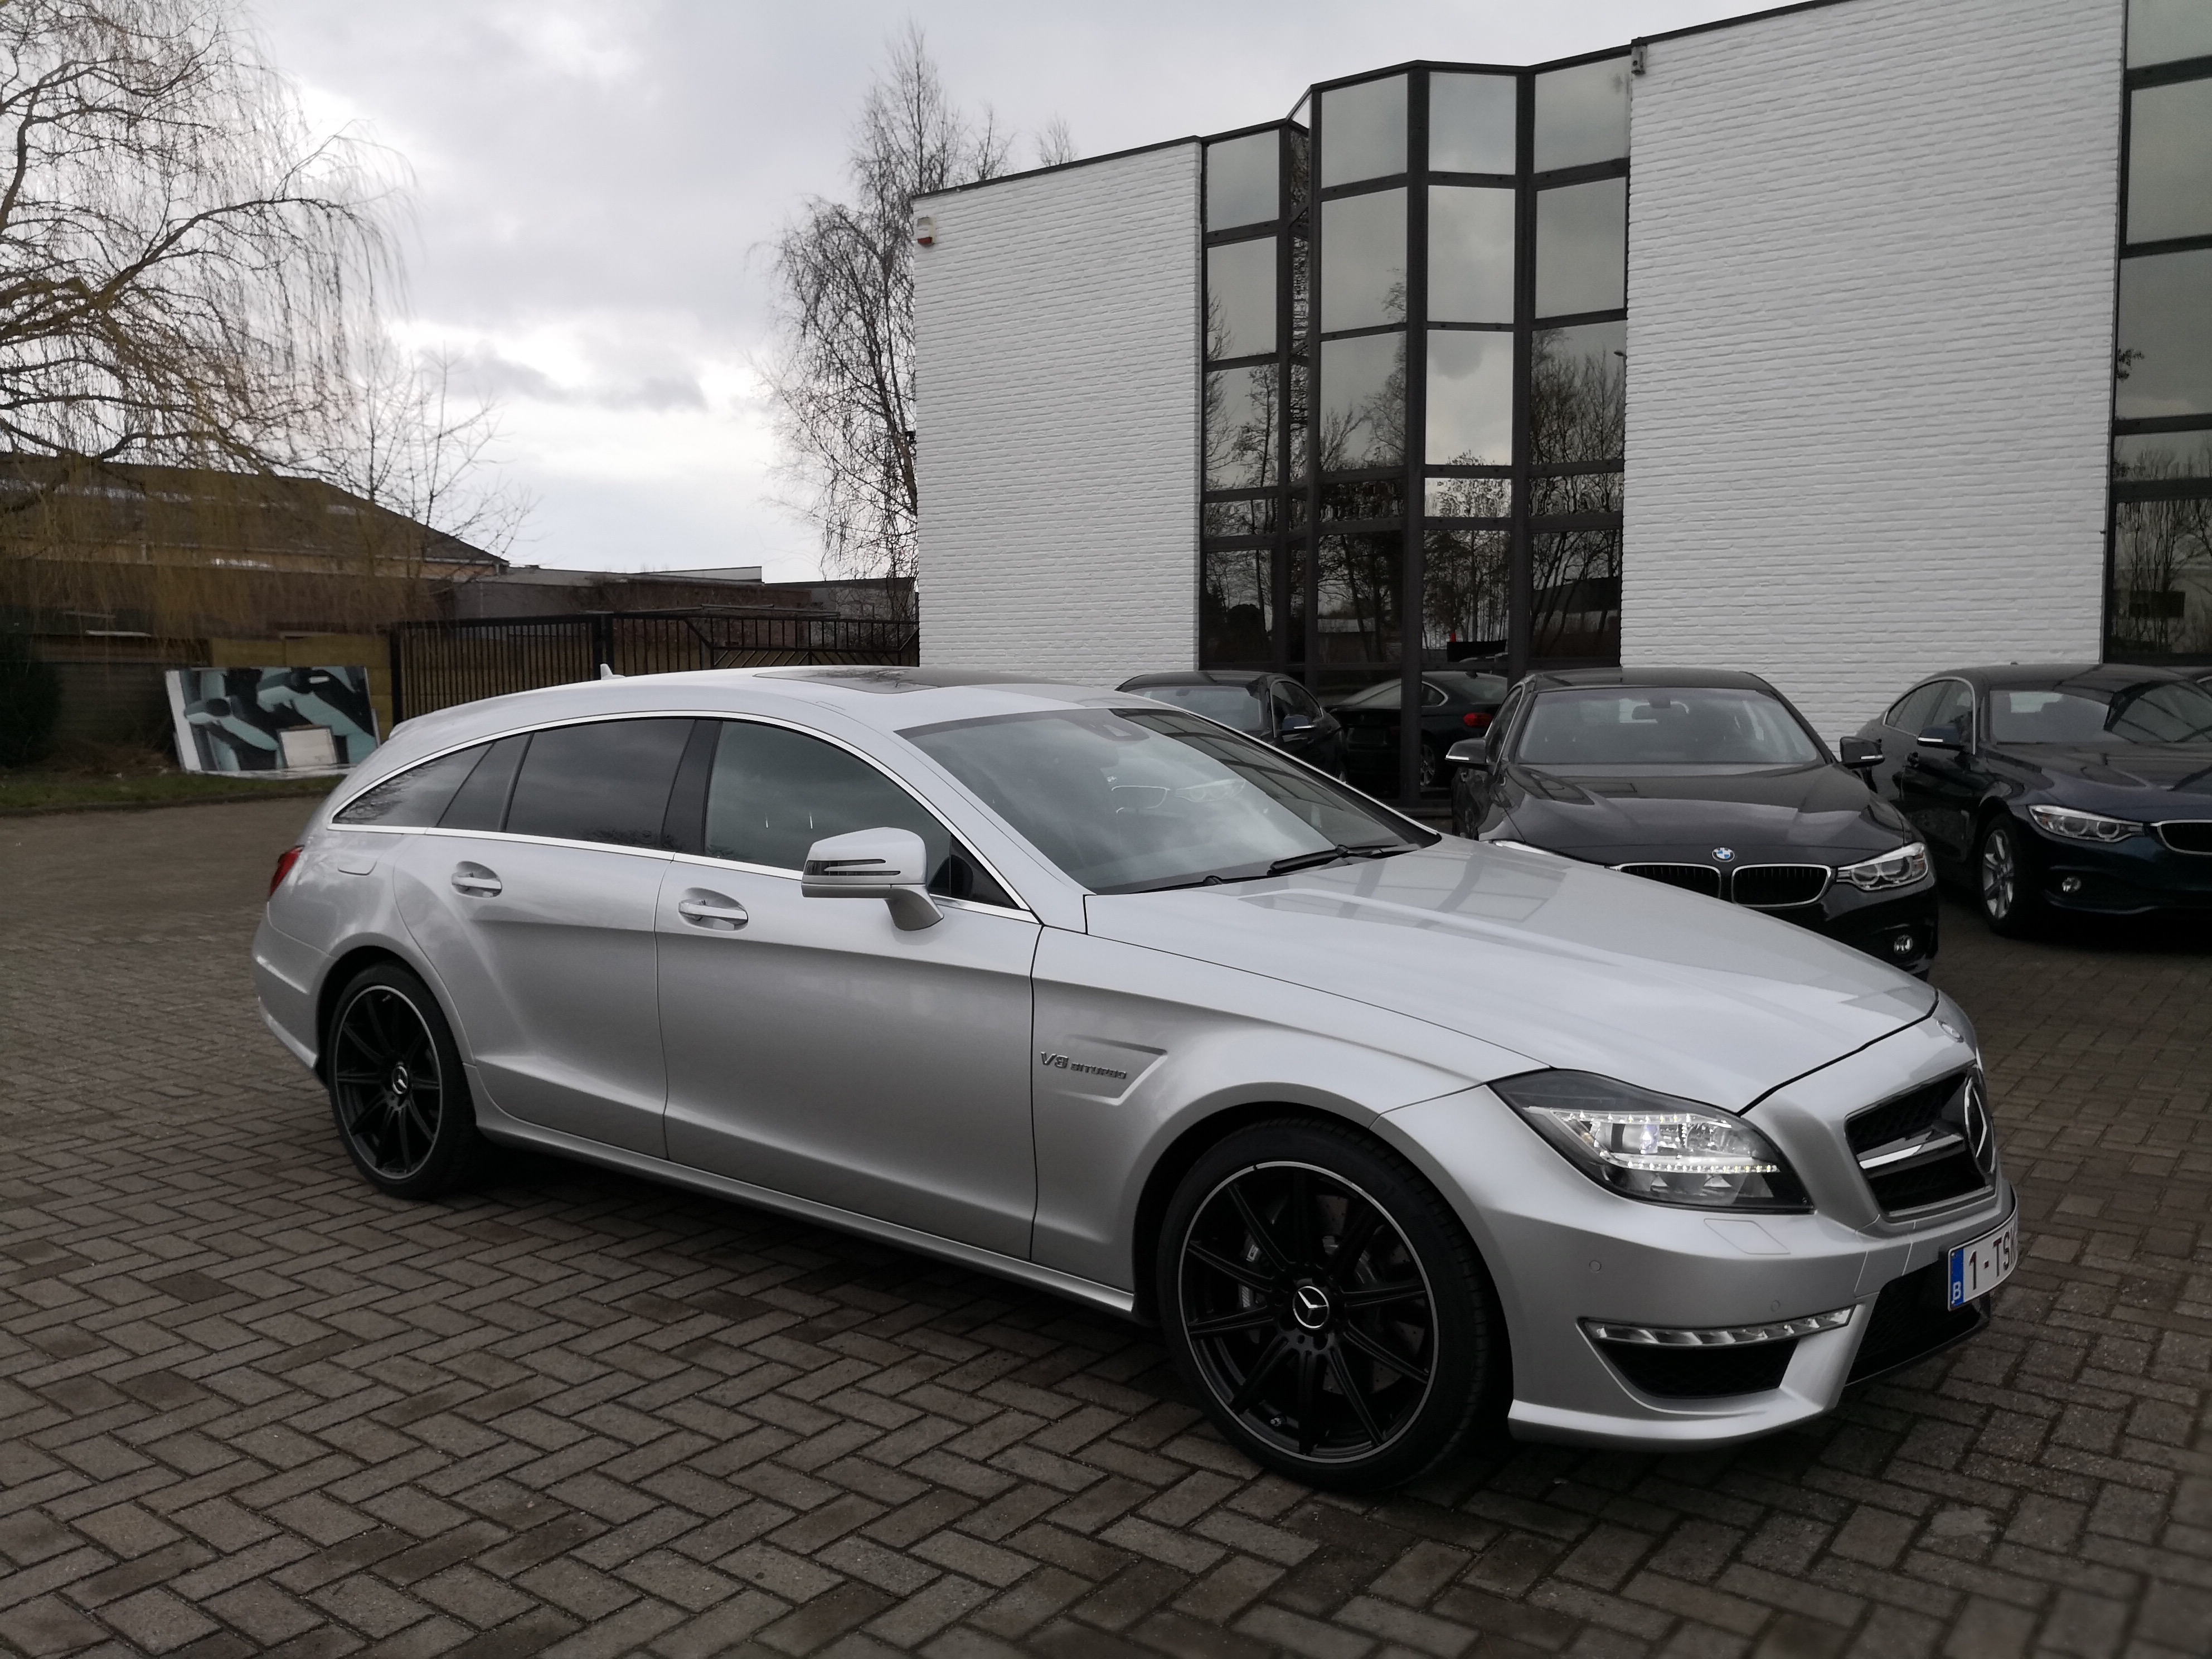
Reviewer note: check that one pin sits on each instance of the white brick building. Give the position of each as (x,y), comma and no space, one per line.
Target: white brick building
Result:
(1861,261)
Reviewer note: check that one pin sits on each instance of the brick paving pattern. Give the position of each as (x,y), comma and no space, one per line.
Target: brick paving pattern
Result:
(248,1407)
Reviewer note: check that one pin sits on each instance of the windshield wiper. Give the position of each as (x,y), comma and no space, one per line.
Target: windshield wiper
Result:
(1331,855)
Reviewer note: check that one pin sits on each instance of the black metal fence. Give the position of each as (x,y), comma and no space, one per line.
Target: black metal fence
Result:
(435,664)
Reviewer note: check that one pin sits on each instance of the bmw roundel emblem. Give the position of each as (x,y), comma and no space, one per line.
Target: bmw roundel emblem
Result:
(1725,854)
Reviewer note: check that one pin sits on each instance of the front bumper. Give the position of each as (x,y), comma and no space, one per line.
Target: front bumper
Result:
(1564,1253)
(2131,877)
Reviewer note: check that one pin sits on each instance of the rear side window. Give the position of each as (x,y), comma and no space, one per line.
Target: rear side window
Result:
(482,801)
(774,793)
(1910,712)
(416,797)
(607,782)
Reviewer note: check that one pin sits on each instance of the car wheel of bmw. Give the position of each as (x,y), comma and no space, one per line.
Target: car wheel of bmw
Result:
(1326,1307)
(1425,774)
(397,1088)
(2003,880)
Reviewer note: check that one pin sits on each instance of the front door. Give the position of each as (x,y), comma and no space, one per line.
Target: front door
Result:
(1939,788)
(813,1048)
(537,919)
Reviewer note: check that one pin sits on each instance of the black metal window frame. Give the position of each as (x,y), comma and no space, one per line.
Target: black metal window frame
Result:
(2120,491)
(1305,516)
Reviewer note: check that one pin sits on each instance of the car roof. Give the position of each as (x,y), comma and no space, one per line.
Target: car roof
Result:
(2101,674)
(1687,678)
(1198,676)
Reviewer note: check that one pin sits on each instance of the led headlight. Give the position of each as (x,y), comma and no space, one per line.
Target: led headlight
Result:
(2082,826)
(1906,866)
(1653,1146)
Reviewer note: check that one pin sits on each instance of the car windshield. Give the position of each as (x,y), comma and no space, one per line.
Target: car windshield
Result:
(1663,726)
(1232,705)
(1130,800)
(2102,716)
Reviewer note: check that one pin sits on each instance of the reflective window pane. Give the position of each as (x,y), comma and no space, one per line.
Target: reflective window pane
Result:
(1582,248)
(1363,498)
(1577,612)
(1471,123)
(2165,31)
(1582,115)
(1363,132)
(1557,497)
(1241,424)
(1464,586)
(1363,402)
(413,799)
(1253,516)
(1363,260)
(1470,399)
(2170,160)
(2155,455)
(1467,498)
(1240,299)
(1577,394)
(1236,607)
(2162,577)
(1470,254)
(1361,586)
(774,793)
(1240,180)
(606,781)
(1298,148)
(2165,336)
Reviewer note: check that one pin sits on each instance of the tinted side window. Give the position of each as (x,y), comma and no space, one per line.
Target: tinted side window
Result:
(481,802)
(414,799)
(1953,706)
(607,782)
(1300,699)
(1910,713)
(774,793)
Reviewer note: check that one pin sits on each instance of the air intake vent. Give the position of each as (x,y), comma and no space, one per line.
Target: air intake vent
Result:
(1701,1373)
(1694,877)
(1927,1146)
(1776,886)
(2188,835)
(1912,1318)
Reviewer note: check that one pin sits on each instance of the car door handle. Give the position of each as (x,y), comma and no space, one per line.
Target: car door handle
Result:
(712,910)
(475,880)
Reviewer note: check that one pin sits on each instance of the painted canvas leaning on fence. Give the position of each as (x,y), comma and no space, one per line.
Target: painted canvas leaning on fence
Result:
(271,719)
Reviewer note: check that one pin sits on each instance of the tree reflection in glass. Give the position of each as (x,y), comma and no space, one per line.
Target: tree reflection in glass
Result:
(1465,584)
(1578,394)
(1242,408)
(2162,577)
(1236,617)
(1359,580)
(1576,576)
(1363,402)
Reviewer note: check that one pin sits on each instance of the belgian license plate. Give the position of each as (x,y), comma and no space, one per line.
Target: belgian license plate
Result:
(1979,1267)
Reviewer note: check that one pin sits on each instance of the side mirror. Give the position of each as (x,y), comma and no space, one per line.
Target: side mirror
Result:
(1942,737)
(1860,754)
(891,865)
(1468,752)
(1296,723)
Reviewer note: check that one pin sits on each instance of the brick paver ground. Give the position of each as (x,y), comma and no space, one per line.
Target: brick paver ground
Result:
(248,1407)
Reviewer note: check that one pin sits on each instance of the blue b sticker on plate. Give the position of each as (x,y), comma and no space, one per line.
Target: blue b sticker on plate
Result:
(1979,1267)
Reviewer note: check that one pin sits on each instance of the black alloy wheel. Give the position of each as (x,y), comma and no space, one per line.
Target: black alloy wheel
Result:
(2004,881)
(1425,773)
(1326,1306)
(396,1087)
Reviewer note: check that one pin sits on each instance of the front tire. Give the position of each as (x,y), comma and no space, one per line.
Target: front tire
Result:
(398,1091)
(2004,883)
(1326,1307)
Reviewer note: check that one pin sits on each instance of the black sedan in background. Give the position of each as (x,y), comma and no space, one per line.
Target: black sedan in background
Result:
(1272,707)
(2057,787)
(1704,780)
(1454,705)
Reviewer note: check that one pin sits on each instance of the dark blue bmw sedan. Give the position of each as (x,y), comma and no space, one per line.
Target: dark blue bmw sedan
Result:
(2055,787)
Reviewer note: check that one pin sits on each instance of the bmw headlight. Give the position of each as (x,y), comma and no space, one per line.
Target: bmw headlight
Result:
(2082,826)
(1653,1146)
(1906,866)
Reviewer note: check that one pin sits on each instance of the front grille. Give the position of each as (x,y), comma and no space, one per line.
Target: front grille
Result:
(1701,1373)
(1695,878)
(1772,886)
(2187,835)
(1912,1319)
(1926,1146)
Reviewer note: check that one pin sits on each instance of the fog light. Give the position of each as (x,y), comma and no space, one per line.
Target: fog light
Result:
(1901,947)
(2070,885)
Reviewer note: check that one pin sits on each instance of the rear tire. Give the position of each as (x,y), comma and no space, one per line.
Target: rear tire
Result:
(1326,1307)
(2004,884)
(398,1091)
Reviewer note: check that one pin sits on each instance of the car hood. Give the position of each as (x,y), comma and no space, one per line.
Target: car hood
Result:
(1786,812)
(1571,965)
(2117,778)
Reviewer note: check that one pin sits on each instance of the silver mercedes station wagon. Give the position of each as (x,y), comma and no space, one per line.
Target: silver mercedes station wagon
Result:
(1396,1136)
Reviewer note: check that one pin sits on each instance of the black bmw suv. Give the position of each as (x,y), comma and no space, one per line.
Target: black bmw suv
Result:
(2057,787)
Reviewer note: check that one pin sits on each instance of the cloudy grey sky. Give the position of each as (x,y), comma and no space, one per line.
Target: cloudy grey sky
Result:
(595,185)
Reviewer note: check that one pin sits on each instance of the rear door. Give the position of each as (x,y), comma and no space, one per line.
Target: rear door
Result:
(814,1047)
(533,902)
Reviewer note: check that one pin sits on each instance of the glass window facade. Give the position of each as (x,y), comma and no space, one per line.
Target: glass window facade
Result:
(2158,595)
(1415,421)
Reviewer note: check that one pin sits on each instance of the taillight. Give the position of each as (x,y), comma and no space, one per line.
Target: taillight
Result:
(1474,720)
(285,861)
